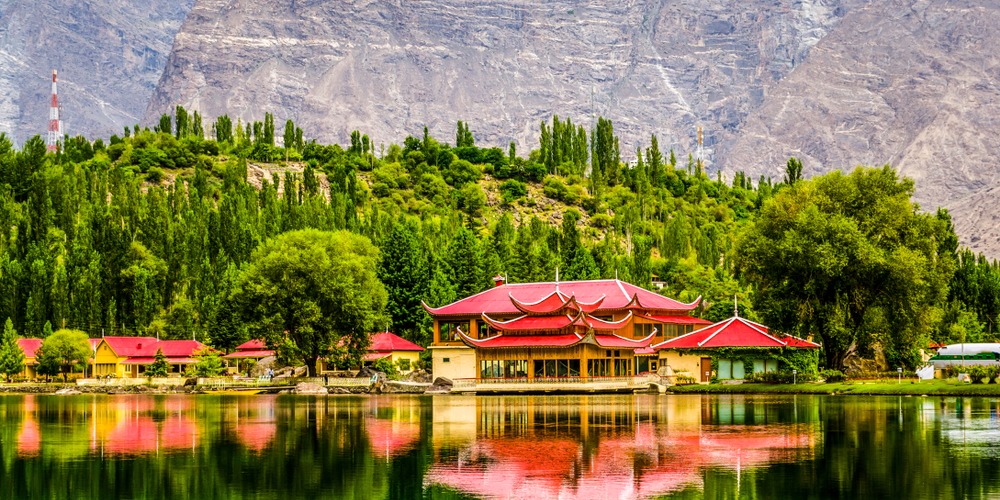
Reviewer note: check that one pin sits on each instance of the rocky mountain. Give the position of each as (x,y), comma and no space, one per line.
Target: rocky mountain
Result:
(911,83)
(109,54)
(389,68)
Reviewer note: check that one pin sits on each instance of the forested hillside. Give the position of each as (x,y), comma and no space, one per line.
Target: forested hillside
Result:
(147,233)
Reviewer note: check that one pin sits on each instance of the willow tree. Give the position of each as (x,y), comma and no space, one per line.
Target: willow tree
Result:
(850,259)
(310,293)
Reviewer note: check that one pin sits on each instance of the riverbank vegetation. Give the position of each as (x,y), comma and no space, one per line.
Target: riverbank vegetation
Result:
(884,387)
(154,232)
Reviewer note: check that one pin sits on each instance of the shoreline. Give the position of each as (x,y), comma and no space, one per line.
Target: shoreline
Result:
(848,388)
(856,388)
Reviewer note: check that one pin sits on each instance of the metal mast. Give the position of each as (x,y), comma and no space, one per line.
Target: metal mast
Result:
(55,125)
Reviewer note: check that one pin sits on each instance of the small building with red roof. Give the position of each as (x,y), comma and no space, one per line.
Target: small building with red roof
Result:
(733,349)
(30,349)
(250,351)
(594,328)
(129,356)
(401,352)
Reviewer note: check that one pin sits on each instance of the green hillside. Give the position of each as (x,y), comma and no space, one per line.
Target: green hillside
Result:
(147,233)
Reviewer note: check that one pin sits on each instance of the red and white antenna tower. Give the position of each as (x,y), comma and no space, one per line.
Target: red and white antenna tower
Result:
(55,125)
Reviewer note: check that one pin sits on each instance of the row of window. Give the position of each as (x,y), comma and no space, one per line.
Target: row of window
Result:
(518,368)
(736,370)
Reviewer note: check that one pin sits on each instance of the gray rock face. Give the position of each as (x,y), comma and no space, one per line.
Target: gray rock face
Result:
(389,68)
(910,83)
(109,55)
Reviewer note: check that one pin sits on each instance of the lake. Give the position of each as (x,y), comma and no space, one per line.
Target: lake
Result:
(537,447)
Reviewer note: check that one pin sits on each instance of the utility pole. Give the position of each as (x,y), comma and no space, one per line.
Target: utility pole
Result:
(55,125)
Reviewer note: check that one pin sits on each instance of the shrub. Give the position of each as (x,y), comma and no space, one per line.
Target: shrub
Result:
(155,175)
(207,363)
(386,366)
(832,375)
(780,377)
(554,188)
(684,379)
(977,373)
(380,190)
(512,189)
(992,372)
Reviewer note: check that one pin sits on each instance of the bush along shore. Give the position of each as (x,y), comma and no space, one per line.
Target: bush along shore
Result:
(883,387)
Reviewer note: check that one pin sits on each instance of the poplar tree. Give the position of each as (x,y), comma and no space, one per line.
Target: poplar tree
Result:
(11,355)
(405,276)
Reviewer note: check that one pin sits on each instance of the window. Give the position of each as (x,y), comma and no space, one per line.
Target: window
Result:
(557,368)
(732,369)
(449,331)
(623,367)
(641,331)
(446,360)
(725,370)
(503,368)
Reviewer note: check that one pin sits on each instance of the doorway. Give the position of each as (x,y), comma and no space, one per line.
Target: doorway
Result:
(706,369)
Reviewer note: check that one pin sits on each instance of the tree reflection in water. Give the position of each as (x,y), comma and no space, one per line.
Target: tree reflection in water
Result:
(498,447)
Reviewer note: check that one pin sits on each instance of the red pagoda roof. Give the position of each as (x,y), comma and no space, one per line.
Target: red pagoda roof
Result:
(617,296)
(500,341)
(733,332)
(559,340)
(554,303)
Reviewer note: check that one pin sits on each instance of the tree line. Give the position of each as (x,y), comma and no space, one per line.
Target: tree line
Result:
(152,231)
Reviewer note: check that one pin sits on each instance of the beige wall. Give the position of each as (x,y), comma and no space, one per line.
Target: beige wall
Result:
(413,356)
(680,362)
(461,362)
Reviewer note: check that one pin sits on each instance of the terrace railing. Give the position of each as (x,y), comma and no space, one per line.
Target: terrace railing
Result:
(555,383)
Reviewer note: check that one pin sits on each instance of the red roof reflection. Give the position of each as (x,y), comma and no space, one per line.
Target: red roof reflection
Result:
(533,467)
(390,438)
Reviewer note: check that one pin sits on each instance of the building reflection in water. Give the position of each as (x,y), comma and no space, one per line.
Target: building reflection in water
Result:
(253,420)
(137,425)
(616,447)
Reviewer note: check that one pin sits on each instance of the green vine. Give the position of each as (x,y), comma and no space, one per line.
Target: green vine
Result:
(805,361)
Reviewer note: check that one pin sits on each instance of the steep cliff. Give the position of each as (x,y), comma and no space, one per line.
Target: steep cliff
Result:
(389,68)
(109,55)
(911,83)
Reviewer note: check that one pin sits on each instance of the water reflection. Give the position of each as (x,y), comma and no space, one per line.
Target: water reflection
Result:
(498,447)
(592,447)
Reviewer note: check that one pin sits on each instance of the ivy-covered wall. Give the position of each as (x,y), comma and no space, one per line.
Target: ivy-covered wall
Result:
(805,361)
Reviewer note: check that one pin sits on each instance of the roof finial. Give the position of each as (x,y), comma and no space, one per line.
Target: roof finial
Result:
(557,278)
(736,307)
(616,274)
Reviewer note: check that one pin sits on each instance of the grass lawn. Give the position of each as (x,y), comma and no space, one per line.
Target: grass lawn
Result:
(935,387)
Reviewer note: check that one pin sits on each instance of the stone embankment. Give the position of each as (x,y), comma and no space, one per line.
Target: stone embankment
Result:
(373,383)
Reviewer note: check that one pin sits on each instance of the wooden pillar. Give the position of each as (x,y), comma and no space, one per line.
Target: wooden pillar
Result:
(473,331)
(437,332)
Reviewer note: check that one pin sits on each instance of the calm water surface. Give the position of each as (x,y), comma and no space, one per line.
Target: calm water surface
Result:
(535,447)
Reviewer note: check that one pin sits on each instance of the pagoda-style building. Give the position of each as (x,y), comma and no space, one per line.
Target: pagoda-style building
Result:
(524,331)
